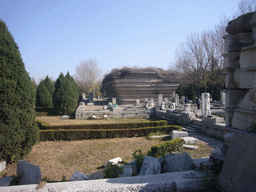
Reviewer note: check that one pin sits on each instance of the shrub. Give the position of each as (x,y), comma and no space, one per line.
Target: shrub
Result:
(139,159)
(160,150)
(18,128)
(112,171)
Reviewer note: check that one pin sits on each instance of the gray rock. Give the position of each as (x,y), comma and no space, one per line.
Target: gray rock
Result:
(240,24)
(30,174)
(77,176)
(97,175)
(196,162)
(2,165)
(65,117)
(150,166)
(217,156)
(224,148)
(239,169)
(228,137)
(178,162)
(133,164)
(127,171)
(190,140)
(178,134)
(5,181)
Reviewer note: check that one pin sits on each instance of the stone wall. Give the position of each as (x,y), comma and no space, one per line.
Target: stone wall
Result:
(240,63)
(138,85)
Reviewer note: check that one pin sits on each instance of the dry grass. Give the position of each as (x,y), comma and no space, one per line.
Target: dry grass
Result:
(62,158)
(56,120)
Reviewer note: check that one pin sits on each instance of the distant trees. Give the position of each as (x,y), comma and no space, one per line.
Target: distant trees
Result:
(246,6)
(18,128)
(49,85)
(64,96)
(88,75)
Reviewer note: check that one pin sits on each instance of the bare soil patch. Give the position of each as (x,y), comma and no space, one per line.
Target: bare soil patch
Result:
(56,120)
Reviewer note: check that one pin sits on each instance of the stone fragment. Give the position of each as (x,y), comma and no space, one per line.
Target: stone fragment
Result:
(114,161)
(206,166)
(127,171)
(189,140)
(2,165)
(65,117)
(30,174)
(97,175)
(228,137)
(206,110)
(238,171)
(178,134)
(217,156)
(5,181)
(190,146)
(150,166)
(177,162)
(77,176)
(240,24)
(196,162)
(224,148)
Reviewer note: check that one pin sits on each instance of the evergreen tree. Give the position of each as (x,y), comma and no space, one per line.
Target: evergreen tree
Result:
(49,85)
(191,93)
(74,86)
(180,91)
(43,97)
(18,128)
(64,99)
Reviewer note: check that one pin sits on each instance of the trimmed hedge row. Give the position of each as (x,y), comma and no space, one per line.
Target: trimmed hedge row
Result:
(83,134)
(45,126)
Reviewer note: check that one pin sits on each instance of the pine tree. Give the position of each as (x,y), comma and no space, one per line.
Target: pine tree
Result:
(74,86)
(180,91)
(64,100)
(43,97)
(49,85)
(18,128)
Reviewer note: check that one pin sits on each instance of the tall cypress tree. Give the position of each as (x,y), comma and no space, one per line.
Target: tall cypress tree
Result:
(43,97)
(18,128)
(49,85)
(64,100)
(74,86)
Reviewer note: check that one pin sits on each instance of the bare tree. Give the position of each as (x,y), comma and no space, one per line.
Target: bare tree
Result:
(246,6)
(87,74)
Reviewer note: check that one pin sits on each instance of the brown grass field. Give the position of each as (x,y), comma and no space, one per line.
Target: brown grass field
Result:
(58,159)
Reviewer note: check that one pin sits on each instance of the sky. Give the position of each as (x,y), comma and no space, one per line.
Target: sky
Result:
(54,36)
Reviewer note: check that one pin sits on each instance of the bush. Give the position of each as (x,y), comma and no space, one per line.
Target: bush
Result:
(82,134)
(113,171)
(160,150)
(18,128)
(139,160)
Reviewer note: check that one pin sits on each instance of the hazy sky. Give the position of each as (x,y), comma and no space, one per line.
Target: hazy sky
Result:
(55,35)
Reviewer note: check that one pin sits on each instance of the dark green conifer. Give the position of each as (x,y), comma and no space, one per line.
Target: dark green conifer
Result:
(64,100)
(43,97)
(18,128)
(74,86)
(49,85)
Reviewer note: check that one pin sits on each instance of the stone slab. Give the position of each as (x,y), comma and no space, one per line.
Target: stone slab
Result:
(2,165)
(5,181)
(190,146)
(178,134)
(190,140)
(239,169)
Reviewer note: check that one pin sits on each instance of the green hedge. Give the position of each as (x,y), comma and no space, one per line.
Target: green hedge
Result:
(82,134)
(45,126)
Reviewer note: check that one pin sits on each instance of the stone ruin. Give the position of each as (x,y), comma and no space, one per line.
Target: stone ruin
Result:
(130,84)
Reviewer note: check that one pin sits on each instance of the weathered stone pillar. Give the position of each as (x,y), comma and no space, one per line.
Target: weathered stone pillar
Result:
(206,107)
(177,99)
(160,99)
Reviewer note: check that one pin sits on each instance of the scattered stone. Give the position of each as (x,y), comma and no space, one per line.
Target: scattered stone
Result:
(65,117)
(224,148)
(133,164)
(30,174)
(190,146)
(6,181)
(105,116)
(77,176)
(2,165)
(178,162)
(158,136)
(190,140)
(150,166)
(196,162)
(114,161)
(178,134)
(228,137)
(97,175)
(206,166)
(217,156)
(127,171)
(94,117)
